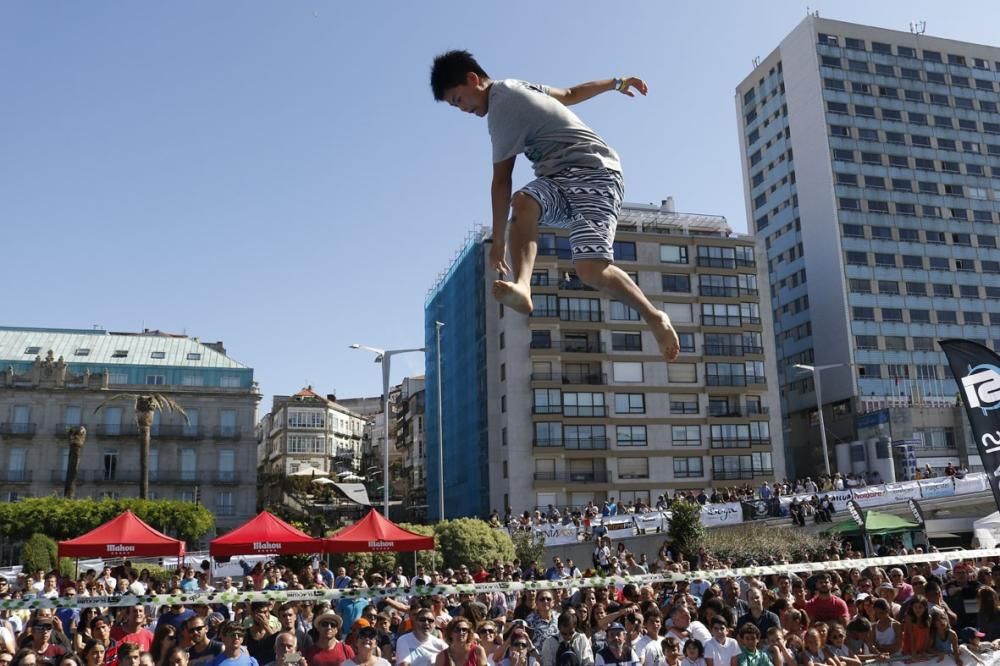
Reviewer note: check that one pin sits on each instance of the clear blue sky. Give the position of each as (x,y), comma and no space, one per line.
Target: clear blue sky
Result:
(277,175)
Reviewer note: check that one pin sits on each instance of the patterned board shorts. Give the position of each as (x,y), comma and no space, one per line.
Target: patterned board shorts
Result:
(586,201)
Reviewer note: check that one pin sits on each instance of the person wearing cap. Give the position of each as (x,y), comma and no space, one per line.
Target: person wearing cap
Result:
(41,635)
(367,652)
(100,630)
(888,592)
(233,653)
(616,652)
(202,650)
(420,647)
(328,650)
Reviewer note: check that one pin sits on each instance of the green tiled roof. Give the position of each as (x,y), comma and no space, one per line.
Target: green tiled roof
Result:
(105,348)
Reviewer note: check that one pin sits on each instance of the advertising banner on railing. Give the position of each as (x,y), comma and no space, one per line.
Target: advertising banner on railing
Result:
(728,513)
(652,522)
(900,492)
(971,483)
(942,487)
(557,535)
(870,496)
(619,528)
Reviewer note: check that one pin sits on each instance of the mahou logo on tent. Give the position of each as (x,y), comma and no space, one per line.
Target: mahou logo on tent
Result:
(381,545)
(265,546)
(120,549)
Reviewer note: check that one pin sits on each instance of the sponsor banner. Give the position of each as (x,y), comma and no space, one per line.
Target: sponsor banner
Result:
(728,513)
(618,528)
(943,487)
(651,522)
(871,496)
(900,492)
(971,483)
(976,369)
(556,535)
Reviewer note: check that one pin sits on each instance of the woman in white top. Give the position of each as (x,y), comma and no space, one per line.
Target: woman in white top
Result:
(366,652)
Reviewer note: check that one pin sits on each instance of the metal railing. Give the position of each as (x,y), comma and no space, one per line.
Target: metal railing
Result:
(15,475)
(584,410)
(593,378)
(117,430)
(736,411)
(547,443)
(586,443)
(594,476)
(226,432)
(17,429)
(731,350)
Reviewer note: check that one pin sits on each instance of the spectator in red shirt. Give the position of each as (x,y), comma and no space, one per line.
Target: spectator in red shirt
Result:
(134,630)
(824,605)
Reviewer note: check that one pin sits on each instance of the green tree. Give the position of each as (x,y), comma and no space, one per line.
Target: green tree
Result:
(39,553)
(146,406)
(742,543)
(528,547)
(77,436)
(686,530)
(467,540)
(429,558)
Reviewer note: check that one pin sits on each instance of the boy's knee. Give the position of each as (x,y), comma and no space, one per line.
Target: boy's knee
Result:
(524,207)
(590,271)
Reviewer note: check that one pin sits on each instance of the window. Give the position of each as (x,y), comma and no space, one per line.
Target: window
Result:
(939,263)
(833,84)
(687,468)
(674,254)
(120,353)
(676,283)
(118,378)
(942,289)
(947,317)
(682,373)
(685,435)
(853,230)
(908,235)
(624,251)
(633,468)
(891,114)
(82,351)
(879,207)
(881,232)
(863,314)
(547,401)
(871,158)
(627,372)
(192,380)
(686,342)
(626,341)
(580,309)
(888,287)
(847,179)
(906,51)
(683,403)
(622,312)
(157,380)
(920,316)
(837,107)
(866,341)
(631,435)
(968,291)
(857,258)
(916,289)
(583,404)
(230,381)
(881,47)
(842,155)
(892,314)
(630,403)
(194,356)
(831,61)
(885,260)
(849,204)
(858,286)
(857,65)
(972,318)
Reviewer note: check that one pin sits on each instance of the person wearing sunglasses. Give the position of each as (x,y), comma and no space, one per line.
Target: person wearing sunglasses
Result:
(367,653)
(328,650)
(420,647)
(462,647)
(202,649)
(42,639)
(233,653)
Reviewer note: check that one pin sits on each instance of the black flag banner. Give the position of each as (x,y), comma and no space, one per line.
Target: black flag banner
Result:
(977,373)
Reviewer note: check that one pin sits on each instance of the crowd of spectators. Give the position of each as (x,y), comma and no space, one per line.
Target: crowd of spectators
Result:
(841,617)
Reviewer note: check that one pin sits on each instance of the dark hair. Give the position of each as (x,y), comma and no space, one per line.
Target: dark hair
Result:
(88,645)
(697,644)
(748,628)
(128,648)
(451,69)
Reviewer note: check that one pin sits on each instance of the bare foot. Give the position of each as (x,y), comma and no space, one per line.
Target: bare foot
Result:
(512,295)
(666,337)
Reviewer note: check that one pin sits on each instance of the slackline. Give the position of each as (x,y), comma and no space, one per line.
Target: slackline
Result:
(323,594)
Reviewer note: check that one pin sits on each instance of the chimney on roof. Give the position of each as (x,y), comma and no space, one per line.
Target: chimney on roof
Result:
(217,346)
(667,205)
(332,397)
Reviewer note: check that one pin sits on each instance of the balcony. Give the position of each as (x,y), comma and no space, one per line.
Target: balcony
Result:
(550,313)
(546,409)
(62,429)
(586,443)
(726,292)
(727,321)
(737,411)
(113,476)
(734,380)
(541,343)
(17,429)
(179,431)
(584,410)
(593,476)
(226,432)
(590,378)
(117,430)
(581,315)
(15,476)
(581,346)
(574,284)
(181,478)
(544,377)
(731,350)
(547,443)
(732,475)
(739,442)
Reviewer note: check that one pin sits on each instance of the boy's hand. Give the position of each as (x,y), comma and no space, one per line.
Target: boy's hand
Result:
(498,258)
(633,82)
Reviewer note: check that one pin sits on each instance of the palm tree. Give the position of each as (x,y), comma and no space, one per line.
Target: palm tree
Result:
(146,406)
(77,438)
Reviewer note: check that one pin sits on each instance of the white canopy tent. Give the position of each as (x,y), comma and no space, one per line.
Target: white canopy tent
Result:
(986,531)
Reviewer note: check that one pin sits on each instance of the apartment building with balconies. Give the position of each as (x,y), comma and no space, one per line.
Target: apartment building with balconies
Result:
(576,403)
(55,379)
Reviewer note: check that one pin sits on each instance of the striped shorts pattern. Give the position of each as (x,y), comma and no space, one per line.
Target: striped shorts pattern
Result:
(586,201)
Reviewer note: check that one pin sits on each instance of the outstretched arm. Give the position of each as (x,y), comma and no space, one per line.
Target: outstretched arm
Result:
(584,91)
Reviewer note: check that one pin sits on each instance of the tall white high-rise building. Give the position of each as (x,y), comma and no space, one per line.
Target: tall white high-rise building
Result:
(871,163)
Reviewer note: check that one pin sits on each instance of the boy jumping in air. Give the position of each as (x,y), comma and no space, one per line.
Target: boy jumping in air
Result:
(578,182)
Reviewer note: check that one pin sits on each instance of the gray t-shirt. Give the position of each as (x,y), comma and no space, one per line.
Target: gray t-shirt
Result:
(522,117)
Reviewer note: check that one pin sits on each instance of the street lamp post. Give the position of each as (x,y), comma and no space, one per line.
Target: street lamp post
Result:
(815,370)
(384,356)
(438,326)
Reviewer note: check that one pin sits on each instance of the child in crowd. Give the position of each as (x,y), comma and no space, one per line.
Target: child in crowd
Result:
(694,653)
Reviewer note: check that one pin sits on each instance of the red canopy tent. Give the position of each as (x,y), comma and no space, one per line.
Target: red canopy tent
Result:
(376,533)
(124,536)
(265,534)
